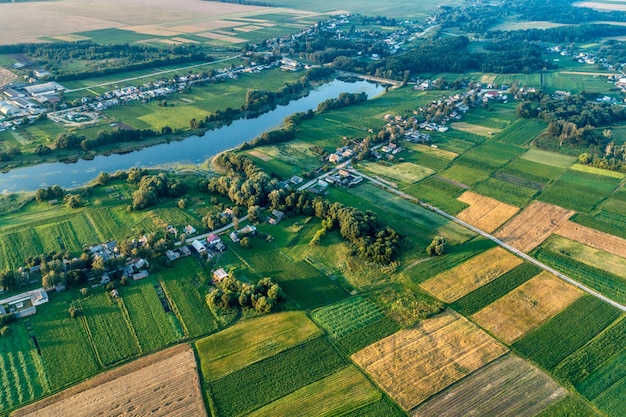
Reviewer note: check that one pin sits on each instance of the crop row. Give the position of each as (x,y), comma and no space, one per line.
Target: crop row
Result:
(263,382)
(579,191)
(604,282)
(439,193)
(603,221)
(347,316)
(521,131)
(599,382)
(490,292)
(368,334)
(566,332)
(505,191)
(532,171)
(107,326)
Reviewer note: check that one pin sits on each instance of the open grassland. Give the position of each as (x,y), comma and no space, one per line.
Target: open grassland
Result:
(527,307)
(251,341)
(439,193)
(579,191)
(61,337)
(566,332)
(405,172)
(263,382)
(422,217)
(107,323)
(451,285)
(416,363)
(162,384)
(508,386)
(152,325)
(549,158)
(457,255)
(345,390)
(521,131)
(606,283)
(588,255)
(593,238)
(492,291)
(533,225)
(485,213)
(355,323)
(22,374)
(185,288)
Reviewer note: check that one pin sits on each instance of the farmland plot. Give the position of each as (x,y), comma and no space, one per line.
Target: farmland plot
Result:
(451,285)
(549,158)
(593,238)
(251,341)
(508,386)
(416,363)
(579,191)
(521,131)
(507,190)
(162,384)
(533,225)
(526,307)
(485,213)
(108,328)
(345,390)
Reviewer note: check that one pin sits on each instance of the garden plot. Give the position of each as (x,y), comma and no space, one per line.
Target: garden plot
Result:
(527,307)
(416,363)
(533,225)
(508,386)
(162,384)
(484,212)
(453,284)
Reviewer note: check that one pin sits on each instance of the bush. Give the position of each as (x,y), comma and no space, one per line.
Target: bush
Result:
(5,330)
(73,312)
(437,247)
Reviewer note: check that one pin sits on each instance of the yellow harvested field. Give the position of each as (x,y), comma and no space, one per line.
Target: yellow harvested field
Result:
(486,213)
(250,28)
(533,225)
(219,37)
(416,363)
(6,76)
(527,307)
(205,26)
(594,238)
(60,17)
(461,280)
(162,384)
(153,30)
(476,129)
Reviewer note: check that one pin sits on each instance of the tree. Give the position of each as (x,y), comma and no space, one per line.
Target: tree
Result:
(254,214)
(103,178)
(245,242)
(73,311)
(8,280)
(437,247)
(182,203)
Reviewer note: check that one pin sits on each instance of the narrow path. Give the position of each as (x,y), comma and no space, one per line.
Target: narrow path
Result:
(216,231)
(493,239)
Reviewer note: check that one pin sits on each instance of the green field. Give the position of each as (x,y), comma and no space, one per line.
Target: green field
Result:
(153,326)
(185,288)
(263,382)
(433,158)
(506,192)
(568,407)
(251,341)
(604,221)
(438,193)
(22,374)
(490,292)
(528,170)
(521,132)
(549,158)
(579,191)
(355,323)
(107,324)
(566,332)
(404,172)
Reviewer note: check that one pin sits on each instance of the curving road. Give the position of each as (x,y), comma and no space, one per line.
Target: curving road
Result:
(492,238)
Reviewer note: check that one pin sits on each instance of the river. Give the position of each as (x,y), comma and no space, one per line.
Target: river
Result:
(192,150)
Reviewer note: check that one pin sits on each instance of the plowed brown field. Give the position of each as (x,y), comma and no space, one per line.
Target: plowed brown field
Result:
(163,384)
(533,225)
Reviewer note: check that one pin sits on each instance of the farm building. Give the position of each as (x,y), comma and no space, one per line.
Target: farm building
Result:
(24,304)
(199,247)
(248,230)
(219,275)
(234,237)
(185,250)
(140,275)
(172,255)
(44,89)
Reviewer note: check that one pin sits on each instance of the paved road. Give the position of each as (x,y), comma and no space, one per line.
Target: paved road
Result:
(321,177)
(492,238)
(153,74)
(216,231)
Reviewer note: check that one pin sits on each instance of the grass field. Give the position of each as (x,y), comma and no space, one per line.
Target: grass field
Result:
(263,382)
(415,363)
(526,307)
(580,191)
(439,193)
(492,291)
(485,213)
(345,390)
(521,132)
(533,225)
(424,155)
(508,386)
(22,374)
(553,341)
(528,173)
(251,341)
(451,285)
(404,172)
(506,191)
(553,159)
(355,323)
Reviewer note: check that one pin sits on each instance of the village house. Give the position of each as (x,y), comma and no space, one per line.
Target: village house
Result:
(234,237)
(219,275)
(25,304)
(199,247)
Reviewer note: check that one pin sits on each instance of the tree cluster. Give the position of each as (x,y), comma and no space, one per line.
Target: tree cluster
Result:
(231,293)
(154,187)
(117,135)
(54,192)
(437,247)
(344,100)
